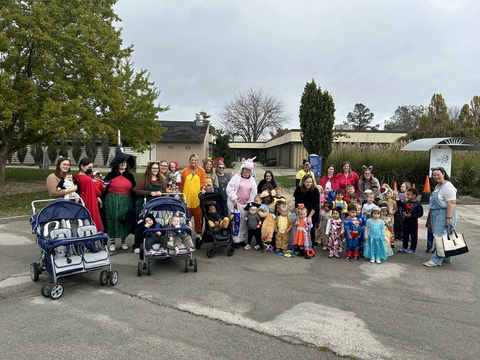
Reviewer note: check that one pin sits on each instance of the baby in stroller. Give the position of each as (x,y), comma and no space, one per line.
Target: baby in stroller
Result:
(179,237)
(215,220)
(153,238)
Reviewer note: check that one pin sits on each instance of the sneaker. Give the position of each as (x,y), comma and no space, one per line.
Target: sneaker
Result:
(336,255)
(257,247)
(325,248)
(410,251)
(112,248)
(247,247)
(378,261)
(429,251)
(124,246)
(402,250)
(372,261)
(149,252)
(136,251)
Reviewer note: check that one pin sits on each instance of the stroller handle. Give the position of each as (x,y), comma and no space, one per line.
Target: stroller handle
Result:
(34,210)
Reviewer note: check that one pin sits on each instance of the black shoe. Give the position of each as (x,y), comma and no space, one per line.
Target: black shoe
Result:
(243,244)
(236,246)
(307,257)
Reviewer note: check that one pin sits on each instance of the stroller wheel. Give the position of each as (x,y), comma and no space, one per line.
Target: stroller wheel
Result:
(142,253)
(45,291)
(56,291)
(104,278)
(186,265)
(34,271)
(198,243)
(211,253)
(195,265)
(149,268)
(230,251)
(140,268)
(113,278)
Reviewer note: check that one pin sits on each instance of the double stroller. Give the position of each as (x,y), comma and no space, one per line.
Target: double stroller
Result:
(163,209)
(69,244)
(215,235)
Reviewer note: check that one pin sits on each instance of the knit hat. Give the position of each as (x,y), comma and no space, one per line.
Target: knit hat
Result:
(150,216)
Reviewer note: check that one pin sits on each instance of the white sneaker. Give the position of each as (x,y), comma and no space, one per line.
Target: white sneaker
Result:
(112,248)
(325,248)
(247,247)
(136,251)
(257,247)
(372,261)
(378,261)
(124,246)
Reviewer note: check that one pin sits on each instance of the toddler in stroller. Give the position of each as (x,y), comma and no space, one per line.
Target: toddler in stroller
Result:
(215,220)
(179,237)
(153,238)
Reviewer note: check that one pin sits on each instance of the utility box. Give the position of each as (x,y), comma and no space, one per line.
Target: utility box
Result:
(315,164)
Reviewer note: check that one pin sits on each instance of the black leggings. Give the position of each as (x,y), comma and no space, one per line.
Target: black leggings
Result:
(258,236)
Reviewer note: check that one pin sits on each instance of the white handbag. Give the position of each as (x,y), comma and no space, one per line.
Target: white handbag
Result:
(451,244)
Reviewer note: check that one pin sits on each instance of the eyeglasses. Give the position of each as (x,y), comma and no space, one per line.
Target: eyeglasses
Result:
(155,168)
(221,167)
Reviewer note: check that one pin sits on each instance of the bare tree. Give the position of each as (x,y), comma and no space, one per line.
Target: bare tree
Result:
(251,113)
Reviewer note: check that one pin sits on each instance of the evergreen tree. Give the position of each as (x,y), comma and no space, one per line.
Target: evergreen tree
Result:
(222,149)
(360,117)
(317,119)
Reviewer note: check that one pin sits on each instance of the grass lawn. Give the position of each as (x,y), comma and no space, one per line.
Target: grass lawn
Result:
(286,181)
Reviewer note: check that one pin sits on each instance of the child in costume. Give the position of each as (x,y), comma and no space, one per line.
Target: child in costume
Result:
(266,212)
(152,238)
(68,182)
(180,237)
(397,217)
(334,232)
(326,214)
(339,202)
(353,233)
(302,232)
(350,189)
(293,214)
(369,205)
(279,199)
(374,236)
(389,223)
(173,176)
(254,224)
(215,220)
(412,210)
(98,180)
(283,227)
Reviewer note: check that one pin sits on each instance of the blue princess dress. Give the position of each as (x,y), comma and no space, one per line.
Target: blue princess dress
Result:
(375,246)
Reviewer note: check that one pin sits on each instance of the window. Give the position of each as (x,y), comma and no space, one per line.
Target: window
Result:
(188,147)
(170,147)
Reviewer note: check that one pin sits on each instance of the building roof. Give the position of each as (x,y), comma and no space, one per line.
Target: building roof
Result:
(454,143)
(183,131)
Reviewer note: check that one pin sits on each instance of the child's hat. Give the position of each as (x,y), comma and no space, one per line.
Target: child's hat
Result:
(150,216)
(95,173)
(252,204)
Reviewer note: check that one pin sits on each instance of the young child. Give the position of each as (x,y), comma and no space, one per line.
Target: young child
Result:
(98,180)
(363,221)
(215,220)
(388,221)
(369,205)
(350,190)
(411,211)
(302,232)
(279,199)
(153,238)
(374,236)
(293,214)
(334,232)
(339,202)
(283,227)
(397,217)
(254,224)
(173,176)
(325,215)
(403,191)
(266,213)
(180,237)
(376,196)
(353,233)
(353,199)
(392,204)
(66,183)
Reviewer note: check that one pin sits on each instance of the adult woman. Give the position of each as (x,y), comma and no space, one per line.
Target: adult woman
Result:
(443,212)
(303,172)
(148,186)
(267,179)
(241,190)
(209,169)
(193,181)
(89,191)
(329,181)
(367,180)
(119,201)
(307,194)
(63,166)
(347,177)
(221,181)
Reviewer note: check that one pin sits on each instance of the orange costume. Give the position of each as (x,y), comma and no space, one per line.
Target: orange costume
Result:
(302,233)
(191,185)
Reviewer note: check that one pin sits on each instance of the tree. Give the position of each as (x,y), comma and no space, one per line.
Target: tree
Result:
(251,113)
(63,72)
(91,148)
(360,117)
(222,149)
(405,118)
(204,115)
(317,118)
(52,153)
(21,154)
(279,132)
(76,149)
(105,150)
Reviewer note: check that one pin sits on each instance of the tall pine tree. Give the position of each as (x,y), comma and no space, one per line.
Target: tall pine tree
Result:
(317,118)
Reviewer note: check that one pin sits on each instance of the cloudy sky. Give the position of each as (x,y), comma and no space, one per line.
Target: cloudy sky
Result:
(382,53)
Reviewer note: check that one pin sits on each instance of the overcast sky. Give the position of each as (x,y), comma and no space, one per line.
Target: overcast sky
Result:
(382,53)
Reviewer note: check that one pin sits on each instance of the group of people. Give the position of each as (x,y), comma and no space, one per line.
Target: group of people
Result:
(344,210)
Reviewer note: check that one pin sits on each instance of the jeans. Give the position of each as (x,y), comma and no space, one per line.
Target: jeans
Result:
(439,260)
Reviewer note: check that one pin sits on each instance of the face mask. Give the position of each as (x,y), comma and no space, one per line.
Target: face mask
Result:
(89,171)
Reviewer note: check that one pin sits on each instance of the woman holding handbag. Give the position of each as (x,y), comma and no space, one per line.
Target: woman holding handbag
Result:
(443,213)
